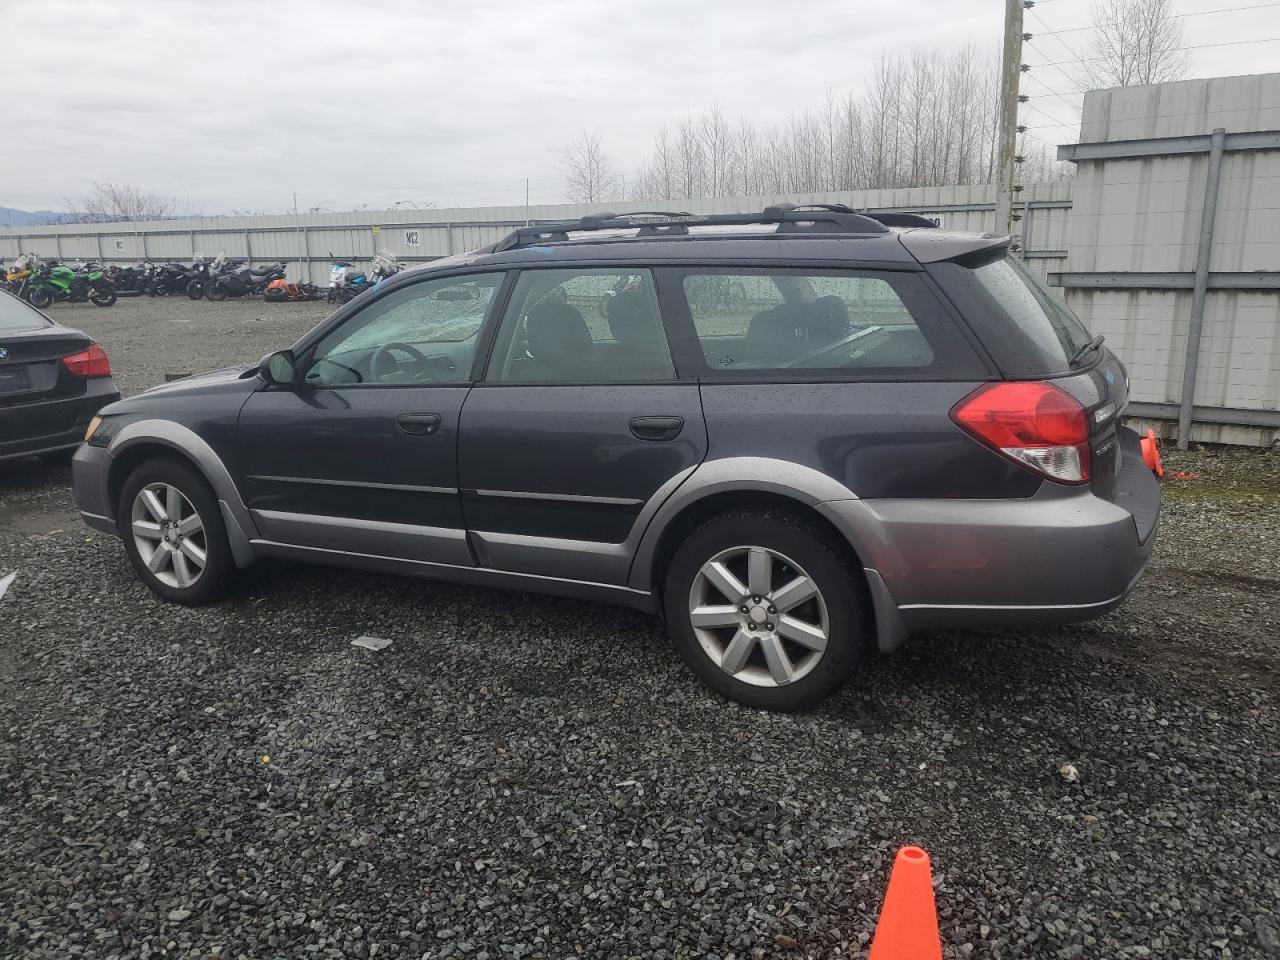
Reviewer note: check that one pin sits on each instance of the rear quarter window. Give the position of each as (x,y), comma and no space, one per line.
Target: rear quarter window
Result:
(1025,325)
(16,316)
(804,324)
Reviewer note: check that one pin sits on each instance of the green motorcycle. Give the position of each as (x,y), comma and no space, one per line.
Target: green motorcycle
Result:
(57,282)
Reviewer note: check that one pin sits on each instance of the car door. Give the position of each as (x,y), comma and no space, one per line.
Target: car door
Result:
(579,428)
(360,455)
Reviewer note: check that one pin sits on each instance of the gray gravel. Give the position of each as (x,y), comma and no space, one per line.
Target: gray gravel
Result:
(148,337)
(525,777)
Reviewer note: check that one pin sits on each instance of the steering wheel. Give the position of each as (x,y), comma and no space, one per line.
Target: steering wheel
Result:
(833,347)
(382,364)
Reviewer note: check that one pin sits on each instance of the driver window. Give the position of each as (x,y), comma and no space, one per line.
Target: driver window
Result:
(419,334)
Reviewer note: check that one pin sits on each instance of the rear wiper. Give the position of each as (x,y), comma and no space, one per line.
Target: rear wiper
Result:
(1085,349)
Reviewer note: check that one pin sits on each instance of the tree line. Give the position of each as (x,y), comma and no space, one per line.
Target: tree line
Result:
(924,119)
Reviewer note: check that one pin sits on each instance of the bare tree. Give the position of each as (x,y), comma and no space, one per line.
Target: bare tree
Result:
(589,175)
(1135,42)
(924,119)
(113,202)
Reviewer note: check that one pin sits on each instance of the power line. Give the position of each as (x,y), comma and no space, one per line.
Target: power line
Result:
(1038,140)
(1196,13)
(1048,116)
(1198,46)
(1051,33)
(1069,78)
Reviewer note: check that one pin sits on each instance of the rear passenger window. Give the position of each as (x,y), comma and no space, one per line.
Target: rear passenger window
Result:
(582,326)
(802,321)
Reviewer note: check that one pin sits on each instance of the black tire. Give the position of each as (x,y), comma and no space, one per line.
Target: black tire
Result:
(827,563)
(103,295)
(216,290)
(218,564)
(195,289)
(40,297)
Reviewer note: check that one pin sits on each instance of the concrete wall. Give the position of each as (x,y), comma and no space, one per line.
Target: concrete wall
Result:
(1143,214)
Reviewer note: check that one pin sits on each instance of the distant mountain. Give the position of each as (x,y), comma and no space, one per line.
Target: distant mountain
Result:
(9,217)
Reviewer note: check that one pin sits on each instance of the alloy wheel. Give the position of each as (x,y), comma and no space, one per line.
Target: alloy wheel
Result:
(759,616)
(169,535)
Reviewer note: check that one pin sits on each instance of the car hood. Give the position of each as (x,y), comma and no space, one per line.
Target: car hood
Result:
(230,380)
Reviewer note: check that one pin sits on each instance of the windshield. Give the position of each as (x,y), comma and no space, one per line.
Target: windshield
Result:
(16,316)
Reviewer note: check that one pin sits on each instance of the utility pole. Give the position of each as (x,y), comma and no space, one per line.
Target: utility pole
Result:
(1010,68)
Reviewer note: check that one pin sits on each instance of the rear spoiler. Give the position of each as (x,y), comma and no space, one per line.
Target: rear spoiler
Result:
(933,246)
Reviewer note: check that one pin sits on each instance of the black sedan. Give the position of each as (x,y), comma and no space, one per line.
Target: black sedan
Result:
(52,382)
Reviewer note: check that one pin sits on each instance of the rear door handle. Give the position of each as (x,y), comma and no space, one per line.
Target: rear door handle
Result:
(418,424)
(656,428)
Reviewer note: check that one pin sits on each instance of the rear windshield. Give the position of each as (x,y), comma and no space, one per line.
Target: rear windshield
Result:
(16,316)
(1024,324)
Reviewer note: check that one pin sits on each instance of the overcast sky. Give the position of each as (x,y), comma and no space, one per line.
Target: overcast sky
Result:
(235,106)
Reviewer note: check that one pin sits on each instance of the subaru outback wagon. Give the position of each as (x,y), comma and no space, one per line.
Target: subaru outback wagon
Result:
(796,435)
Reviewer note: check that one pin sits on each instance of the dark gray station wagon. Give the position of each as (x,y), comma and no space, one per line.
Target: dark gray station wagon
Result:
(796,435)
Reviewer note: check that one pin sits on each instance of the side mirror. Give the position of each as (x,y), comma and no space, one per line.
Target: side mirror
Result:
(278,368)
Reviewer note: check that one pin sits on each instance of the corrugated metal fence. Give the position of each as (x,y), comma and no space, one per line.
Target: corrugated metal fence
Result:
(1146,267)
(309,241)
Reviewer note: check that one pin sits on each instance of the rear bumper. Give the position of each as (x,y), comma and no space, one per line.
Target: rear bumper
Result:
(44,427)
(1059,556)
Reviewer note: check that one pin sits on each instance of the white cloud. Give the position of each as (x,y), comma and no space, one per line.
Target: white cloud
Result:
(238,105)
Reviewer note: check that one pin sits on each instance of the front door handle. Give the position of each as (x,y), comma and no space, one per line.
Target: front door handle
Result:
(656,428)
(418,424)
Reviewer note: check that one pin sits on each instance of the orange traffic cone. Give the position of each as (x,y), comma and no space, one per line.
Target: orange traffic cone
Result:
(908,927)
(1151,453)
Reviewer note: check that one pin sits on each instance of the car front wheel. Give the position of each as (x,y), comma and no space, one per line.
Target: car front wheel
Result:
(173,532)
(767,608)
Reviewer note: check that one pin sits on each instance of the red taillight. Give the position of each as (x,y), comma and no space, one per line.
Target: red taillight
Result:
(1032,423)
(89,363)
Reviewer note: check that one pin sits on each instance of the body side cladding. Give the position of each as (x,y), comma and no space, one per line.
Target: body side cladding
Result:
(474,576)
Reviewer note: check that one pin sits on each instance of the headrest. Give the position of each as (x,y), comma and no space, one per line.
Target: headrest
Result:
(557,330)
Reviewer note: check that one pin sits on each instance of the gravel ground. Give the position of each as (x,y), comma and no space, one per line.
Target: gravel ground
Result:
(519,776)
(148,337)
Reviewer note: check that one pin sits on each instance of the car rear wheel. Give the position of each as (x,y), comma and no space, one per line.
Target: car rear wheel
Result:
(173,532)
(767,608)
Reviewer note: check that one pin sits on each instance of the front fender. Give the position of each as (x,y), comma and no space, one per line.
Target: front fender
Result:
(185,441)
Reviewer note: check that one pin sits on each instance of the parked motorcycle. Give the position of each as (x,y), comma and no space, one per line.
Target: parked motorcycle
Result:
(170,278)
(285,291)
(385,266)
(131,280)
(53,282)
(17,278)
(244,281)
(345,282)
(199,274)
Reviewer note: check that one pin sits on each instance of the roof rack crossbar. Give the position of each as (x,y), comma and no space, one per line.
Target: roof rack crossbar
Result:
(788,217)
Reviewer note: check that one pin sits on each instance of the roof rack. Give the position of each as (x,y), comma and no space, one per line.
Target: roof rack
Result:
(789,218)
(903,220)
(889,219)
